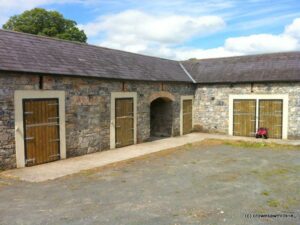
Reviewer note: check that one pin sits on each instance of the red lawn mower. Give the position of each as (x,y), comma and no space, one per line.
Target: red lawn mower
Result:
(262,133)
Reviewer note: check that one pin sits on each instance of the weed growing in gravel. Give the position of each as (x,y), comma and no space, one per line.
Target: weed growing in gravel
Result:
(265,193)
(273,203)
(251,144)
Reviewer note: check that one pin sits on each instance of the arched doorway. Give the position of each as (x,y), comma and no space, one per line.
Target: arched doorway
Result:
(161,118)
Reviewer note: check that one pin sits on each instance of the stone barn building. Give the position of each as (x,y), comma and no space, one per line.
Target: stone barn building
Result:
(63,99)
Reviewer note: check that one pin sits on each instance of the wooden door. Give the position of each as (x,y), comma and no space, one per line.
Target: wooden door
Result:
(187,114)
(270,117)
(244,118)
(41,131)
(124,122)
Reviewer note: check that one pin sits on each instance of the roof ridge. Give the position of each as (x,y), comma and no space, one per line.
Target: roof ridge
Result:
(81,43)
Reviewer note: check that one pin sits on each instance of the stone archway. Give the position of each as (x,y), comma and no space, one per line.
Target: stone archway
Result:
(161,115)
(162,94)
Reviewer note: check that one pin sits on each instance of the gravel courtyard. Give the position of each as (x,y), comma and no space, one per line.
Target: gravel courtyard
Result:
(212,182)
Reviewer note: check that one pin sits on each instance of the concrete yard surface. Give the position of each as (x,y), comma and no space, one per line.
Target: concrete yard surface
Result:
(208,183)
(70,166)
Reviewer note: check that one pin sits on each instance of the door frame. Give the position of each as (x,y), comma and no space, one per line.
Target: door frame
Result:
(19,96)
(114,96)
(257,97)
(182,98)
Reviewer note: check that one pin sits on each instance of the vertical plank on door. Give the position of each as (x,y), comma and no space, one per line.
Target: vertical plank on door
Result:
(187,114)
(244,118)
(270,117)
(124,117)
(41,125)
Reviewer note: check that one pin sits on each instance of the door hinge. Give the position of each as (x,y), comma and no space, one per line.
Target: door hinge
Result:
(56,155)
(30,161)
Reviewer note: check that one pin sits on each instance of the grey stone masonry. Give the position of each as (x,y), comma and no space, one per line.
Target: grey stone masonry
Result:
(211,105)
(8,84)
(87,110)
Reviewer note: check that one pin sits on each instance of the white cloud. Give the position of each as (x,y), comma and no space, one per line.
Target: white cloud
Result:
(138,31)
(183,54)
(293,30)
(261,43)
(289,40)
(165,36)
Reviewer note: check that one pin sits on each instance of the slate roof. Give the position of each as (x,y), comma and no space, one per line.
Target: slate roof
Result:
(21,52)
(253,68)
(30,53)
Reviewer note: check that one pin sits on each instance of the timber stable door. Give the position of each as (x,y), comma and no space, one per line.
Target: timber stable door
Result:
(270,116)
(124,122)
(244,118)
(41,131)
(187,114)
(249,115)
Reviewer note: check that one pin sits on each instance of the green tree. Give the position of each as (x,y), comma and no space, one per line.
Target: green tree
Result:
(47,23)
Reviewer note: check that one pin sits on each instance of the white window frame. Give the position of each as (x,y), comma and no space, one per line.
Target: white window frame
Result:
(182,98)
(20,95)
(257,97)
(114,96)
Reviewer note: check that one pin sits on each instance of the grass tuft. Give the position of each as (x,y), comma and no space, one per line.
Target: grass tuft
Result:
(250,144)
(265,193)
(273,203)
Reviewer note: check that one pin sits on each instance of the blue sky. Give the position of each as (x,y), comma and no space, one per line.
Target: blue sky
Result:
(180,29)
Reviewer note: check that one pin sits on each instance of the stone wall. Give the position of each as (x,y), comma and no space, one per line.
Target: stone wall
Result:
(8,84)
(87,110)
(211,105)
